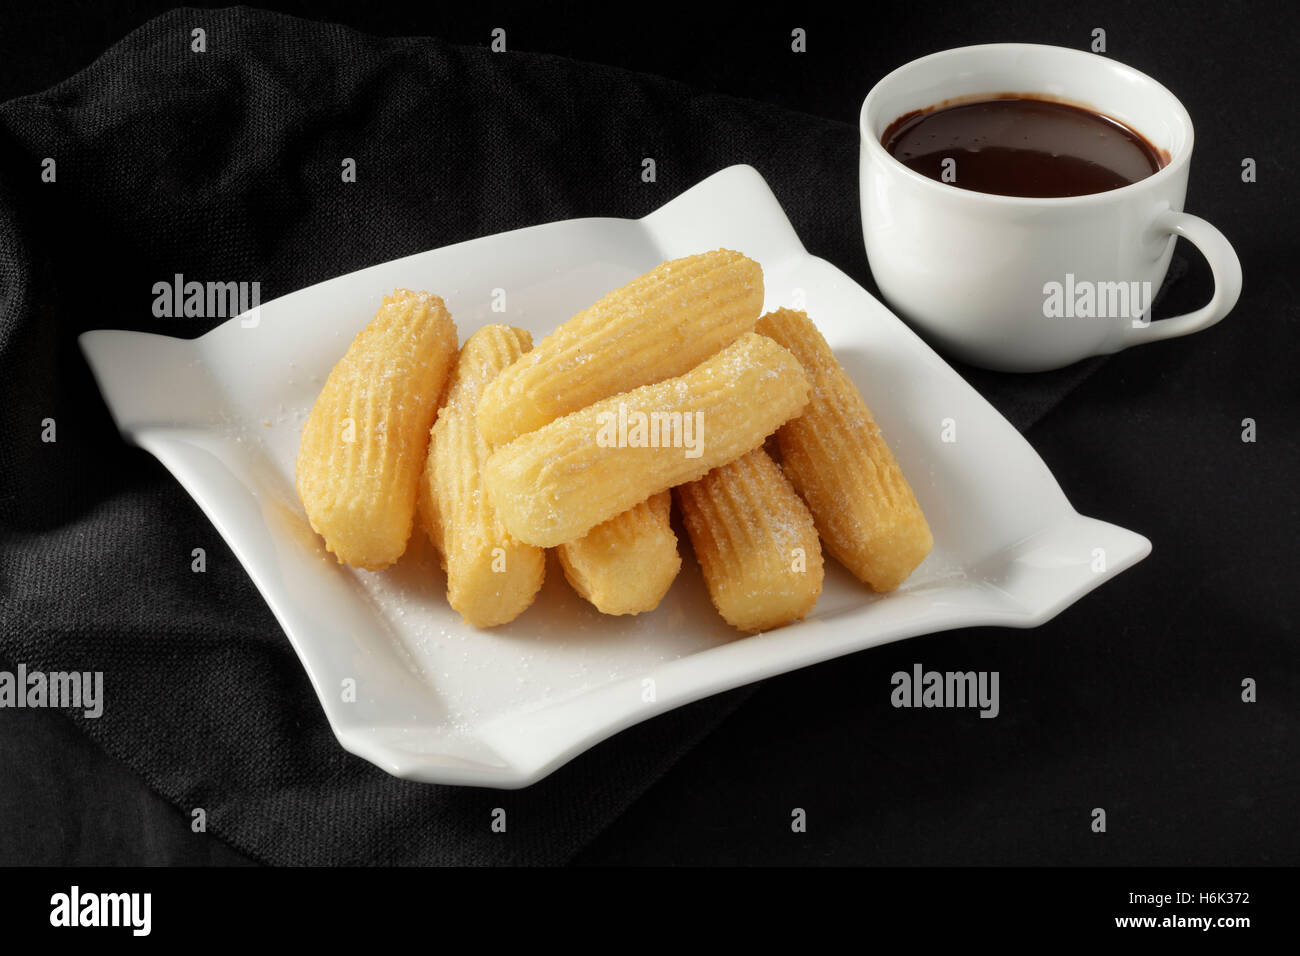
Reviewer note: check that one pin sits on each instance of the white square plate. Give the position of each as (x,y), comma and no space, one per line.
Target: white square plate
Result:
(438,701)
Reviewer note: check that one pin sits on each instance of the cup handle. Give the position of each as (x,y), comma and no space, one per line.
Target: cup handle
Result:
(1224,265)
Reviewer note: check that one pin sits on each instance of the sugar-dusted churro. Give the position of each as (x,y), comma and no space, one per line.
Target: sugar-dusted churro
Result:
(839,462)
(491,577)
(755,541)
(625,565)
(557,483)
(363,445)
(655,327)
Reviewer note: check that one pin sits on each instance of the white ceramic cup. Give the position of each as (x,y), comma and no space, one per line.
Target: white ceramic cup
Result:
(974,272)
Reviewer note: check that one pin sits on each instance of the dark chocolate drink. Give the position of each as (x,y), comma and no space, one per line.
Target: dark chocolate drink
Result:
(1021,146)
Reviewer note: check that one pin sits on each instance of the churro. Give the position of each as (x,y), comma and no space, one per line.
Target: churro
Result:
(491,577)
(625,565)
(837,459)
(556,483)
(363,445)
(755,541)
(656,327)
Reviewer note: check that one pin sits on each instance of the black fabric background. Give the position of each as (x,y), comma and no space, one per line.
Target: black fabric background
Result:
(226,166)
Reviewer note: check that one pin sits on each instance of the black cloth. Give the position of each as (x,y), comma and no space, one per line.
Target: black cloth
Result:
(226,165)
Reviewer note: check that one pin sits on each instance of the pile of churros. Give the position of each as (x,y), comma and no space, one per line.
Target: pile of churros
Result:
(670,392)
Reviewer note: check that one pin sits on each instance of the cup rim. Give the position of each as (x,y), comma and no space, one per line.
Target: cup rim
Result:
(1176,163)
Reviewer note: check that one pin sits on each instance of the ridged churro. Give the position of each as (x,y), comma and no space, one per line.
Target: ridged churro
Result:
(755,541)
(625,565)
(655,327)
(363,445)
(837,459)
(557,483)
(491,577)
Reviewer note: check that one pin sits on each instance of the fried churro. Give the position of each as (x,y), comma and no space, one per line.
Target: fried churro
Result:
(656,327)
(755,541)
(363,444)
(491,577)
(625,565)
(555,484)
(837,459)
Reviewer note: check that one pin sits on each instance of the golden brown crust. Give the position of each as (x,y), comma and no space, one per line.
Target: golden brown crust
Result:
(626,564)
(557,483)
(840,464)
(492,578)
(660,325)
(755,541)
(363,445)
